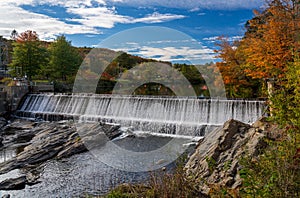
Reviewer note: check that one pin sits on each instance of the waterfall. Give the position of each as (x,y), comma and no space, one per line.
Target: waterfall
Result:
(173,115)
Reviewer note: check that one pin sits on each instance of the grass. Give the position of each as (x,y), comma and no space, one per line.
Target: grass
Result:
(160,184)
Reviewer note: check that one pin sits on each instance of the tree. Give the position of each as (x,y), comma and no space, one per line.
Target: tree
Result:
(28,55)
(270,49)
(271,40)
(236,82)
(64,59)
(266,50)
(286,98)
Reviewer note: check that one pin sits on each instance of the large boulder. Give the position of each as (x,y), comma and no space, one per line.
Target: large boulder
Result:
(217,156)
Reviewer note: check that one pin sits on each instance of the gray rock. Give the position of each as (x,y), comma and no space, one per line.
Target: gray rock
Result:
(111,130)
(57,140)
(3,122)
(49,139)
(72,148)
(32,178)
(1,140)
(22,124)
(216,159)
(14,184)
(96,135)
(24,136)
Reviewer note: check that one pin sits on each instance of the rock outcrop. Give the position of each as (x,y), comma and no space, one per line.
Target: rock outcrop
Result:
(47,140)
(217,156)
(13,184)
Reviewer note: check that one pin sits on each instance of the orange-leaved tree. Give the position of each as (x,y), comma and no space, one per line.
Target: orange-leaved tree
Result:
(271,40)
(237,83)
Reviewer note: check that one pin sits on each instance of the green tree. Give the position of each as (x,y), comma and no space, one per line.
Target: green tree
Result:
(29,55)
(64,60)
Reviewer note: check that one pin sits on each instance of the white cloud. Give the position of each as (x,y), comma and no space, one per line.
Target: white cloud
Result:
(191,4)
(13,17)
(96,14)
(174,41)
(105,17)
(92,15)
(171,53)
(194,9)
(98,17)
(158,18)
(214,39)
(69,3)
(174,54)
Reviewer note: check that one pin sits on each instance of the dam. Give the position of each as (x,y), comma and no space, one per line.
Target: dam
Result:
(160,114)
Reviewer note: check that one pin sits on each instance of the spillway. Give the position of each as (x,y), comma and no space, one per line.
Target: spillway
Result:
(171,115)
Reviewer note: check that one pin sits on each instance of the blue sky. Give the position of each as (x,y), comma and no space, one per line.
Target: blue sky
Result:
(90,22)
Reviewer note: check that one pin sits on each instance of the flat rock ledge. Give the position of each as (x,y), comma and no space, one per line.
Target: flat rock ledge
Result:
(216,159)
(13,184)
(48,140)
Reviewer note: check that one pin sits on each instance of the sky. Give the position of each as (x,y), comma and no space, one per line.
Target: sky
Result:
(170,30)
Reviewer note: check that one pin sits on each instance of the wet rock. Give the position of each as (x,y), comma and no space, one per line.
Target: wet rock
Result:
(96,135)
(22,124)
(32,178)
(1,140)
(216,160)
(6,196)
(47,142)
(72,148)
(14,184)
(57,140)
(111,130)
(3,122)
(24,136)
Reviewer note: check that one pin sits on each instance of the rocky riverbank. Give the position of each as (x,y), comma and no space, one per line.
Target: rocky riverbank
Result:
(215,164)
(41,141)
(216,161)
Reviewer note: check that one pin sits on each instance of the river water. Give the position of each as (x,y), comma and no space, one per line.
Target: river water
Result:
(85,174)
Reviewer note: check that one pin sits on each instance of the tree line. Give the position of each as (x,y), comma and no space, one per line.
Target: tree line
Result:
(59,61)
(36,59)
(266,51)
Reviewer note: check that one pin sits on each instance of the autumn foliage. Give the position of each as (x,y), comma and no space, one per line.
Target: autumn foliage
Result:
(270,43)
(238,84)
(268,51)
(28,35)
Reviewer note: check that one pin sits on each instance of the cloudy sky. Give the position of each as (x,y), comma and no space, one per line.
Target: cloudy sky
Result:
(90,22)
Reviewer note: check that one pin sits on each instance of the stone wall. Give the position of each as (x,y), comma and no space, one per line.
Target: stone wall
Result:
(10,96)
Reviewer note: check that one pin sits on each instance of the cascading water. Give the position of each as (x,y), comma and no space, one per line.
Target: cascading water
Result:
(173,115)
